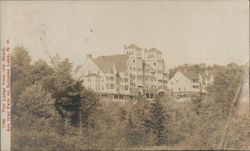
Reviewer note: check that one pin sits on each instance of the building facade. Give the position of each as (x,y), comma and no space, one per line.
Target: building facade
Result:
(122,76)
(186,83)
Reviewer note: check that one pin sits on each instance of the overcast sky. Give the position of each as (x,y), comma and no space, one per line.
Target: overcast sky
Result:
(185,31)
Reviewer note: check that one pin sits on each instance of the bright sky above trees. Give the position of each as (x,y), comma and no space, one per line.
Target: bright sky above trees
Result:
(185,31)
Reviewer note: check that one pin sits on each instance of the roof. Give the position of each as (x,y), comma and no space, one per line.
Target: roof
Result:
(191,75)
(105,63)
(92,74)
(134,46)
(154,50)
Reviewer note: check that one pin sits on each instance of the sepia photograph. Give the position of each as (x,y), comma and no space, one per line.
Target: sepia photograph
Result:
(124,75)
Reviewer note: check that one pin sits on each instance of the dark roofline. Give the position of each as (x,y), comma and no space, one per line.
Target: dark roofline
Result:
(190,75)
(154,49)
(133,46)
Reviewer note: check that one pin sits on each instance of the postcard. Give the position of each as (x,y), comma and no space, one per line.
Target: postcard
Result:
(125,75)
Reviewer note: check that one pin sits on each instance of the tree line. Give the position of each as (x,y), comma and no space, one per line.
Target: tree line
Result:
(51,110)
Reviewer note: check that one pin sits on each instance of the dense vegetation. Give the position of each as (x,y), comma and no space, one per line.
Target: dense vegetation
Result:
(51,110)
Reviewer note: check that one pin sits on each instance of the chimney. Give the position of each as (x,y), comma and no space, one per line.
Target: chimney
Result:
(89,55)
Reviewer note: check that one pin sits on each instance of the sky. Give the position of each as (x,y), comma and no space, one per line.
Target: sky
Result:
(212,32)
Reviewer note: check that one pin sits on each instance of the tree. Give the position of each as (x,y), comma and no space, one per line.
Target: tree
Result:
(196,68)
(37,102)
(216,107)
(64,89)
(89,108)
(38,124)
(20,73)
(40,70)
(157,121)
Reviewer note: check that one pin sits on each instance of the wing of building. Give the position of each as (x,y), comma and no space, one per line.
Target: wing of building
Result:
(188,83)
(121,76)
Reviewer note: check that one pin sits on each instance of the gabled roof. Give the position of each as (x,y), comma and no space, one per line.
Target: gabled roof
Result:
(190,75)
(134,46)
(154,50)
(105,63)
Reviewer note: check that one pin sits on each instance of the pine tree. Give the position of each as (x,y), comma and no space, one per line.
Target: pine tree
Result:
(20,74)
(157,123)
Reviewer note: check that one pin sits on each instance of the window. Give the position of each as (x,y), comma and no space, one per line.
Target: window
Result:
(112,78)
(120,97)
(112,86)
(115,96)
(126,79)
(195,81)
(133,61)
(179,89)
(154,64)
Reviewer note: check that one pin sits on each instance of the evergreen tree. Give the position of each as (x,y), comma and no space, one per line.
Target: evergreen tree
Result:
(20,73)
(157,121)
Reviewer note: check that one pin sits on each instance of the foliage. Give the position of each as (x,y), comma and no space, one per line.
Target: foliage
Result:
(20,73)
(216,107)
(37,120)
(53,111)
